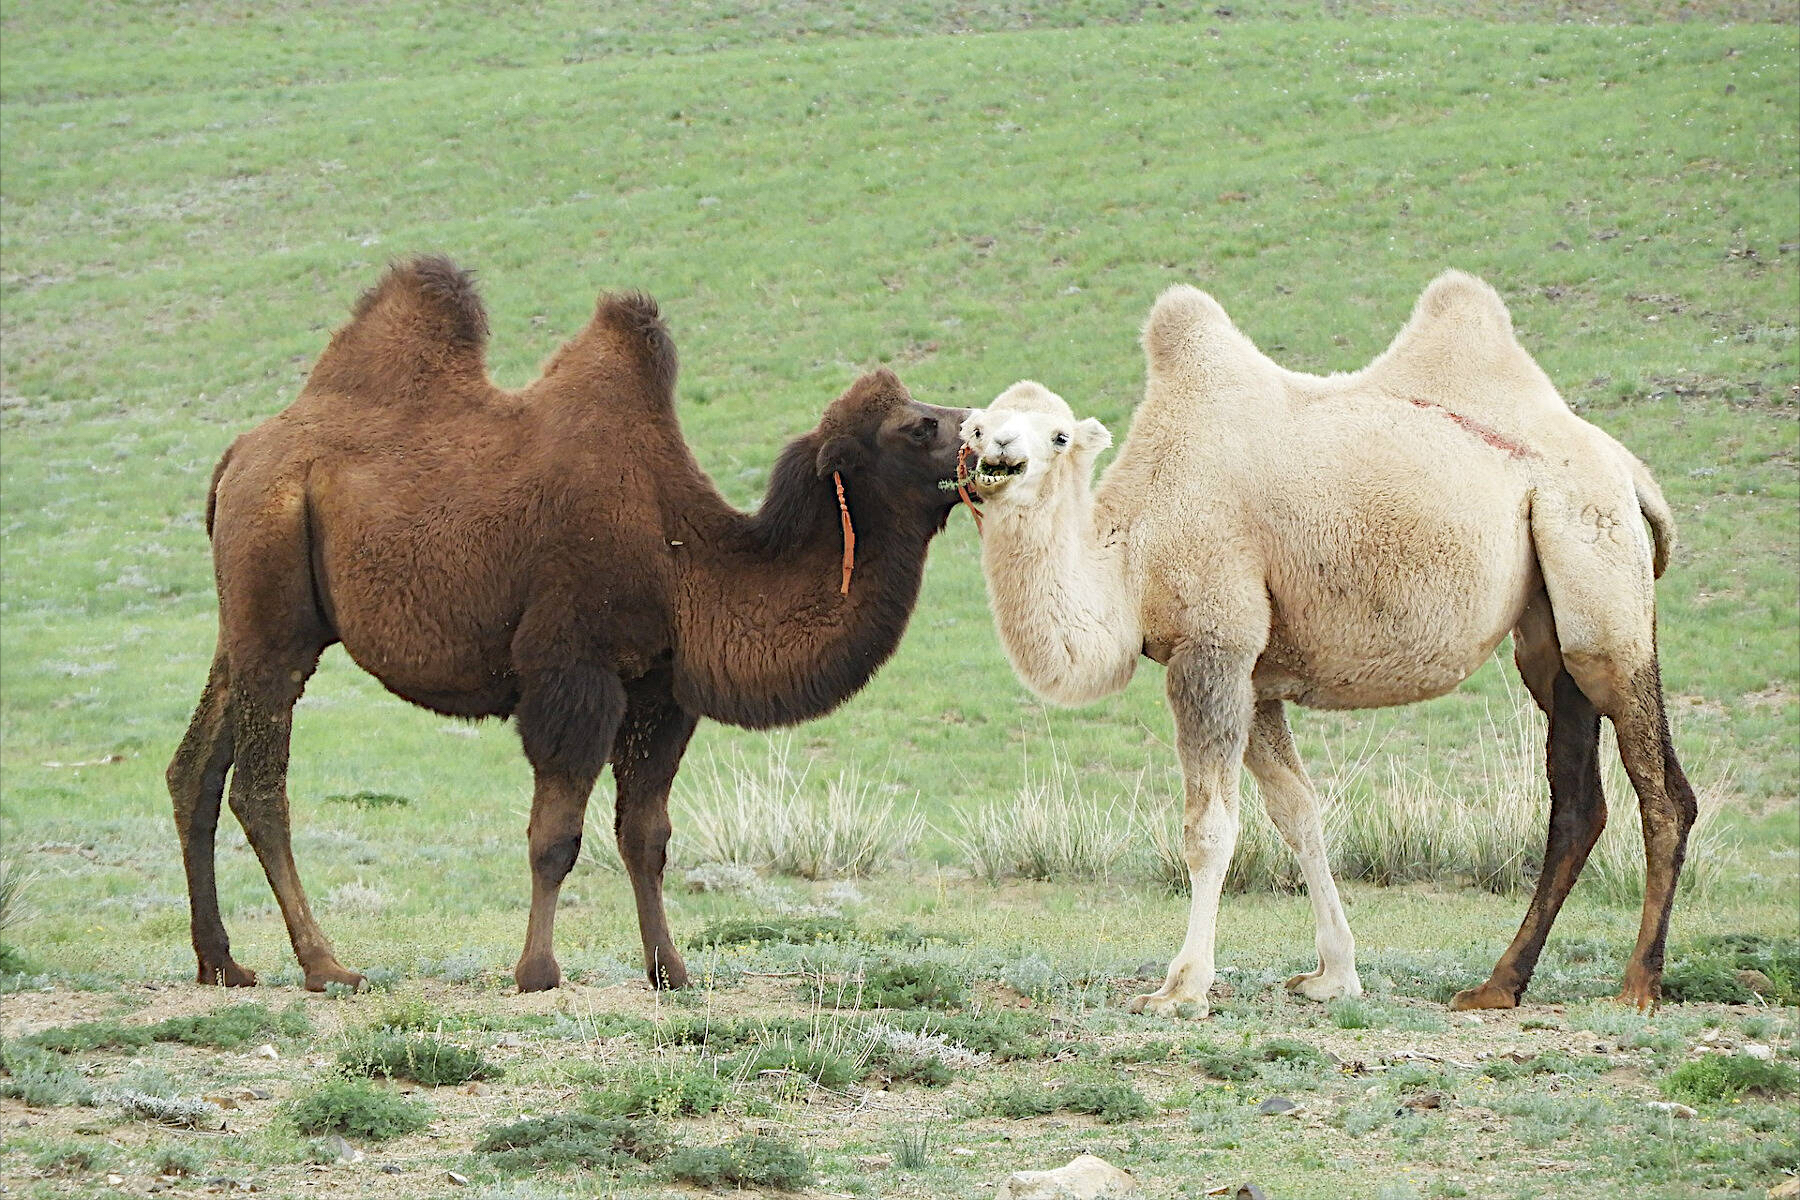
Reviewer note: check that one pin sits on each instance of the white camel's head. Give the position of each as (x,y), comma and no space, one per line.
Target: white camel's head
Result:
(1027,433)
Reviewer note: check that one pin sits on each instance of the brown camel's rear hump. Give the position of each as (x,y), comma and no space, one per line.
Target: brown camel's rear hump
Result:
(624,356)
(420,331)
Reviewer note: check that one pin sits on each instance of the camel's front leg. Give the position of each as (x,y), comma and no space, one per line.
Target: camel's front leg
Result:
(1293,805)
(1210,695)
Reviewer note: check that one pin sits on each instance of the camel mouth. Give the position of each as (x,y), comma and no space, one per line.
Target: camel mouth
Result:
(992,472)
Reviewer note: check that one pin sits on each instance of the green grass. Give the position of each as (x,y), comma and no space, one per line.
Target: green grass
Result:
(570,1140)
(194,196)
(421,1058)
(751,1161)
(1719,1077)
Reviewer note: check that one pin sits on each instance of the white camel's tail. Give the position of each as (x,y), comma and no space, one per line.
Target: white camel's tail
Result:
(1656,511)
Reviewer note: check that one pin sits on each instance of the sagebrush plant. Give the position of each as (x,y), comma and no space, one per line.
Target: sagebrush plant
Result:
(662,1089)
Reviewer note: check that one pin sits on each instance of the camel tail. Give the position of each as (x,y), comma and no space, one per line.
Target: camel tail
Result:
(638,332)
(212,489)
(420,328)
(1657,513)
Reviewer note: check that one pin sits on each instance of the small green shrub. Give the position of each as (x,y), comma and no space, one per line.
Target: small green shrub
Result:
(178,1160)
(1724,1077)
(1004,1036)
(356,1108)
(228,1028)
(41,1078)
(1289,1050)
(800,931)
(570,1140)
(419,1057)
(234,1026)
(1551,1062)
(749,1161)
(1110,1100)
(72,1157)
(662,1091)
(89,1035)
(913,985)
(827,1068)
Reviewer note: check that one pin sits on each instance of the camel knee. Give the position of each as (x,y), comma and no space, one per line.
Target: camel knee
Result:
(552,862)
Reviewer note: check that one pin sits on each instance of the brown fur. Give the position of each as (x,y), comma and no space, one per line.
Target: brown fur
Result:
(555,555)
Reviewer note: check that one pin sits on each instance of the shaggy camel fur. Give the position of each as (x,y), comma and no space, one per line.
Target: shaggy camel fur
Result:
(553,554)
(1353,541)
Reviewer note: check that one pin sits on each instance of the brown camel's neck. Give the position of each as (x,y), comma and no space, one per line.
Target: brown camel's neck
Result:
(764,636)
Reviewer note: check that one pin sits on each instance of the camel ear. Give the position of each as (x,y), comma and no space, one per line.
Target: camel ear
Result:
(839,454)
(1092,436)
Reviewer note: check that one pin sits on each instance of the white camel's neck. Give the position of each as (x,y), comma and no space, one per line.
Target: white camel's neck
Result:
(1062,602)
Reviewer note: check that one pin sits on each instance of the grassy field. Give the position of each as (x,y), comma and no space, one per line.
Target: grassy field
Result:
(192,196)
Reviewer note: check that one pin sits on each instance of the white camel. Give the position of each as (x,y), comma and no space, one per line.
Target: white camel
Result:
(1348,541)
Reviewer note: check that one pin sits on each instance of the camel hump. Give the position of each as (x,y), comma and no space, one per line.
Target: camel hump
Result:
(421,330)
(1184,324)
(1458,321)
(638,332)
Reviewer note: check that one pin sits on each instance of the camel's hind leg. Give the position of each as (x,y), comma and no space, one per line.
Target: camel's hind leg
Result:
(196,778)
(1577,803)
(273,633)
(263,693)
(1293,805)
(1597,569)
(648,750)
(1211,697)
(1667,806)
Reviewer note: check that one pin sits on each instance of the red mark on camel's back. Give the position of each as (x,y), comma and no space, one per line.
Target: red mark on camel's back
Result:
(1497,440)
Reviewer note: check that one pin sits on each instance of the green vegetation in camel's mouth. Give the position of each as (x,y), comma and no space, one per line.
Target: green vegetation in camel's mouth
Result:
(992,473)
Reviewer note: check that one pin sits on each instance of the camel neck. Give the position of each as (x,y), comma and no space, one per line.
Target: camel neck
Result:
(765,635)
(1062,603)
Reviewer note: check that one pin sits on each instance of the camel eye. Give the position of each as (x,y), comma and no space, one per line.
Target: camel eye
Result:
(923,431)
(976,432)
(1061,439)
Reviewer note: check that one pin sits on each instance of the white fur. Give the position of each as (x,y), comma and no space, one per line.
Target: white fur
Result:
(1348,541)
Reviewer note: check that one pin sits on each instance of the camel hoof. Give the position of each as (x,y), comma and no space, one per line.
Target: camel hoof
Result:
(1488,995)
(227,974)
(1314,985)
(538,976)
(1155,1004)
(1643,998)
(322,978)
(669,976)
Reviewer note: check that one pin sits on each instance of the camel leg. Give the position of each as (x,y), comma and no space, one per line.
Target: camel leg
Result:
(1667,806)
(1210,694)
(262,717)
(196,779)
(567,718)
(1293,805)
(1577,815)
(651,741)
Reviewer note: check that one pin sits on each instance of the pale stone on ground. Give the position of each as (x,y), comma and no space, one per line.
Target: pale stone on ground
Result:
(1086,1178)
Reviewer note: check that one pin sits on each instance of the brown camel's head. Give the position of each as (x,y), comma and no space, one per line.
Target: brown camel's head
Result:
(889,449)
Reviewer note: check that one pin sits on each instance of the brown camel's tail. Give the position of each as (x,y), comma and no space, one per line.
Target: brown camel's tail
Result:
(418,330)
(1656,511)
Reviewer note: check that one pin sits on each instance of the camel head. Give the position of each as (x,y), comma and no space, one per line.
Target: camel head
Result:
(1026,437)
(889,449)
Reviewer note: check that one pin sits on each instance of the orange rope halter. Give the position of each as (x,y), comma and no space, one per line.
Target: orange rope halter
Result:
(962,488)
(849,534)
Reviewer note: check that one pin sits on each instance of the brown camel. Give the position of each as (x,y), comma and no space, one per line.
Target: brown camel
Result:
(554,554)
